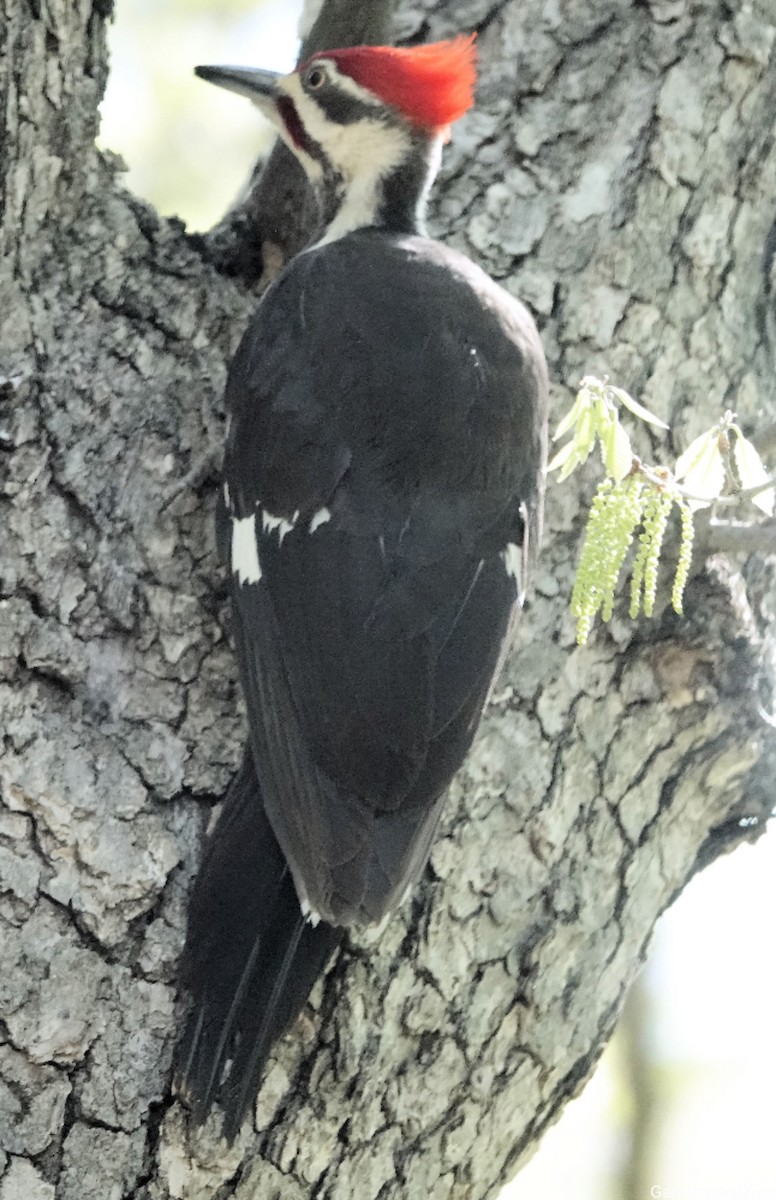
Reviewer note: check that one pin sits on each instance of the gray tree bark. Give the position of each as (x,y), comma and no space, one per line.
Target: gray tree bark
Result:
(618,173)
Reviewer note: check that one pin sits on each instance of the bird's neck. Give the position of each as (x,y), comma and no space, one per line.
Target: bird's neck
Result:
(390,196)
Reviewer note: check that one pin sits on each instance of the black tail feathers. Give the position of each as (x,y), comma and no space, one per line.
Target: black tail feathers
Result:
(250,958)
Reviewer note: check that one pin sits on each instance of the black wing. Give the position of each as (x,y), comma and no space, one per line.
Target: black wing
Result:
(383,483)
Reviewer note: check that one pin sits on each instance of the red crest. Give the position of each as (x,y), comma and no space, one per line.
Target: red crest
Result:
(431,85)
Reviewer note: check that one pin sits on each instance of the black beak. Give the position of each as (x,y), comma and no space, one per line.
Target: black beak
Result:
(246,81)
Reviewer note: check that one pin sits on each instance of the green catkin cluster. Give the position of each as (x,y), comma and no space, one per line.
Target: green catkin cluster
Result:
(685,557)
(656,508)
(614,514)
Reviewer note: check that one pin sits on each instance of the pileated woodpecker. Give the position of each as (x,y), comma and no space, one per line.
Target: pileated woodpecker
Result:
(381,510)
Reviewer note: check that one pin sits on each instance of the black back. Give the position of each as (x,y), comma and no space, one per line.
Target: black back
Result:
(393,398)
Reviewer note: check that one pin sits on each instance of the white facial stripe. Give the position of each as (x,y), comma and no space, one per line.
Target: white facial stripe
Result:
(357,211)
(365,153)
(364,146)
(312,167)
(346,84)
(245,554)
(435,162)
(291,86)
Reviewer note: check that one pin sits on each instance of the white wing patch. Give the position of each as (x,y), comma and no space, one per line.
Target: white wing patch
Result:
(245,553)
(269,522)
(320,518)
(512,559)
(309,914)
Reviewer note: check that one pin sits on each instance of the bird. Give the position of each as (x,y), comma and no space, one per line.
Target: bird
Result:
(380,518)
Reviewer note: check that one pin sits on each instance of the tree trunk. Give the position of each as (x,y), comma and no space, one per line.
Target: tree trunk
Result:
(618,173)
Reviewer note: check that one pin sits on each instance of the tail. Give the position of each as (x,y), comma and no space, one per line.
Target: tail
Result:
(250,958)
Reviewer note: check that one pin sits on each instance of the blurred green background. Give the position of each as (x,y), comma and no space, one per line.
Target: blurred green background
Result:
(682,1106)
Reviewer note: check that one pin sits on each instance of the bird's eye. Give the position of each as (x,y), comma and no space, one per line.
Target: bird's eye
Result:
(316,77)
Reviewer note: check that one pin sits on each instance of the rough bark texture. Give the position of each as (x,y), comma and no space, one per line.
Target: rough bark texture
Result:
(619,174)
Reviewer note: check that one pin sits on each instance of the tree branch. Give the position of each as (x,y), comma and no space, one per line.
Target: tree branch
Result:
(737,537)
(662,478)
